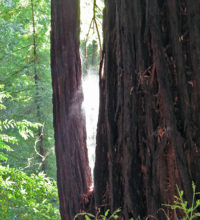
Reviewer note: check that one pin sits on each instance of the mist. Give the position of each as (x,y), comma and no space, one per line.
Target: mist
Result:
(90,86)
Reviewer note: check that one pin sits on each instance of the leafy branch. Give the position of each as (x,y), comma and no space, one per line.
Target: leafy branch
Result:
(107,215)
(181,204)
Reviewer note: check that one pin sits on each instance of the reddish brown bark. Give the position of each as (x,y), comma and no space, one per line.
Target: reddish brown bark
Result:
(149,120)
(73,173)
(147,137)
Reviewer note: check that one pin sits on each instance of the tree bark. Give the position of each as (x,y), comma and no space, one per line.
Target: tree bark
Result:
(147,140)
(73,173)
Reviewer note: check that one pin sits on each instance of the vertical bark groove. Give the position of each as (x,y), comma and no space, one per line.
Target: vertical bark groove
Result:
(73,172)
(151,115)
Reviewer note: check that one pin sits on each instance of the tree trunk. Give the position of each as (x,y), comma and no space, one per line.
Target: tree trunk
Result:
(37,104)
(149,119)
(94,53)
(73,173)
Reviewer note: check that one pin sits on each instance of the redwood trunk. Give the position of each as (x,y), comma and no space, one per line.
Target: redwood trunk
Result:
(149,121)
(73,173)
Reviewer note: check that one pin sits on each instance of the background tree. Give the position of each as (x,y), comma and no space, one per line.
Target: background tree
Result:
(73,173)
(25,54)
(147,140)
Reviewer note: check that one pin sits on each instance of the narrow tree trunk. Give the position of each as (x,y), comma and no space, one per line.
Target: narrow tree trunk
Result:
(36,77)
(147,139)
(85,58)
(94,53)
(73,173)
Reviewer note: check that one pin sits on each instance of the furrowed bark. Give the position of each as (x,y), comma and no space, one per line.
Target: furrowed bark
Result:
(73,172)
(150,117)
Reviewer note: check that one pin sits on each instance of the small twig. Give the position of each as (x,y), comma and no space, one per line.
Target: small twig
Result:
(87,35)
(35,145)
(99,38)
(164,213)
(95,26)
(48,152)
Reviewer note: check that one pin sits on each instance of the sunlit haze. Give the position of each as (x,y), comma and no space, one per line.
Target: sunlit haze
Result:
(91,107)
(91,81)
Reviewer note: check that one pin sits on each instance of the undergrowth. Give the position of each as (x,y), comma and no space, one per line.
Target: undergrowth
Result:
(27,197)
(179,204)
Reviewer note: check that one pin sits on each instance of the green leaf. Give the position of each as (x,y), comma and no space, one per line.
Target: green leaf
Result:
(3,157)
(107,212)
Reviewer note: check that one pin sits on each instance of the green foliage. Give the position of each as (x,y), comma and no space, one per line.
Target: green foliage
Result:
(182,205)
(28,102)
(26,112)
(23,127)
(107,215)
(27,197)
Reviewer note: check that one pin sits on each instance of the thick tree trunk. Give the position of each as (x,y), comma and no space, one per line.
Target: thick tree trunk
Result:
(149,119)
(73,173)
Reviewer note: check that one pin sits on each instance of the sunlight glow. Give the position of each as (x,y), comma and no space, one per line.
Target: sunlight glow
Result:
(91,81)
(91,108)
(86,17)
